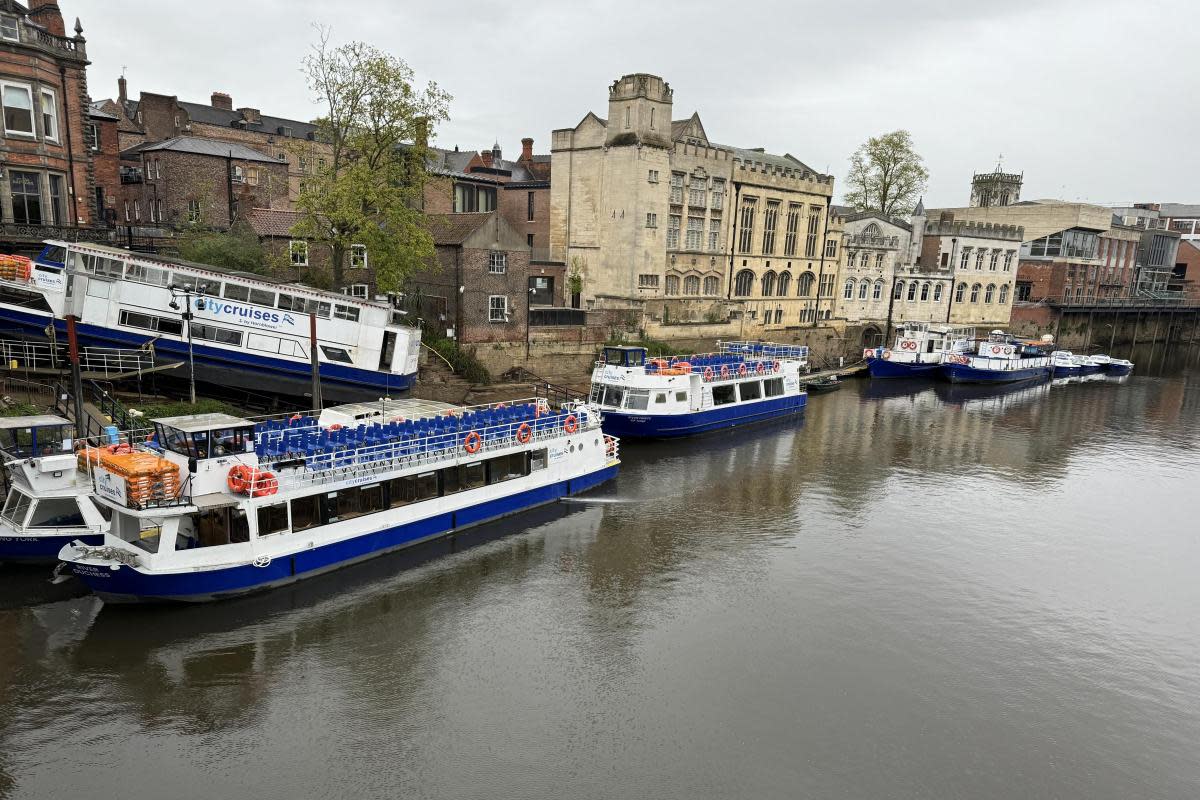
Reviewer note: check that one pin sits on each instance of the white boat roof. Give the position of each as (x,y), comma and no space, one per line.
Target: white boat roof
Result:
(408,407)
(32,421)
(203,422)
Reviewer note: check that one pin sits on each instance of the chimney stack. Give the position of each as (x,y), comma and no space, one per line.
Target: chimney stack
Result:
(527,149)
(122,90)
(46,14)
(486,155)
(222,101)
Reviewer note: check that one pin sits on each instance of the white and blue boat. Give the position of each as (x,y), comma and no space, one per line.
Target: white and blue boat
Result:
(1000,358)
(43,509)
(265,504)
(1066,364)
(661,398)
(1090,365)
(919,350)
(1119,366)
(247,331)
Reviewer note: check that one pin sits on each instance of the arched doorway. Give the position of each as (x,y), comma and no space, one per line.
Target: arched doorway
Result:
(872,336)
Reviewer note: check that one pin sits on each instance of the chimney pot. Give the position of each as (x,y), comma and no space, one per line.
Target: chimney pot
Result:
(486,155)
(527,149)
(122,93)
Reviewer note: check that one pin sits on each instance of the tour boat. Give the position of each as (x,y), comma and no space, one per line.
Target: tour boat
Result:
(246,331)
(43,509)
(919,350)
(1066,364)
(216,506)
(1000,358)
(683,395)
(1119,366)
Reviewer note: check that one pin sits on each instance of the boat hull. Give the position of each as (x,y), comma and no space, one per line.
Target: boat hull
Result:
(124,584)
(25,549)
(670,426)
(1066,372)
(219,367)
(963,373)
(1090,369)
(1119,369)
(884,368)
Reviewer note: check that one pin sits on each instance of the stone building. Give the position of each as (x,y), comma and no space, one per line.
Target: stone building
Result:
(47,188)
(996,188)
(965,275)
(658,218)
(875,247)
(293,258)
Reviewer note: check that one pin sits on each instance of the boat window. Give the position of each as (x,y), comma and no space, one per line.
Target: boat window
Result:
(222,526)
(214,334)
(20,297)
(661,397)
(638,400)
(773,387)
(505,468)
(272,519)
(357,501)
(346,312)
(471,476)
(613,396)
(97,289)
(145,274)
(174,440)
(412,489)
(54,253)
(750,390)
(723,395)
(336,354)
(681,397)
(234,291)
(267,344)
(306,512)
(228,441)
(149,322)
(15,508)
(288,347)
(635,358)
(56,512)
(537,460)
(262,297)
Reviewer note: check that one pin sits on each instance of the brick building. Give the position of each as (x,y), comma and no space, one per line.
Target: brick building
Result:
(1185,277)
(102,137)
(306,262)
(47,183)
(191,181)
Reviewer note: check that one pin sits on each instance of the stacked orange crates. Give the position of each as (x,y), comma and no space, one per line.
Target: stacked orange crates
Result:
(148,477)
(15,268)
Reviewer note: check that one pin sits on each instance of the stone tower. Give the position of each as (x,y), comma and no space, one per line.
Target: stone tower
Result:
(639,111)
(996,188)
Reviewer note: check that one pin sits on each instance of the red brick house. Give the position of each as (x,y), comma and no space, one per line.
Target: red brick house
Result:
(308,262)
(47,183)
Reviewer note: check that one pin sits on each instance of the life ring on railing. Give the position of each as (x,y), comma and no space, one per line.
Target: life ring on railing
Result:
(708,373)
(777,366)
(334,427)
(1009,350)
(995,348)
(724,370)
(473,442)
(742,368)
(262,483)
(294,418)
(238,479)
(887,354)
(570,424)
(500,405)
(524,433)
(760,368)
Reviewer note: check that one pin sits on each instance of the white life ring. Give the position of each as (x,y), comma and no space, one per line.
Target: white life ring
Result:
(1009,350)
(995,348)
(887,354)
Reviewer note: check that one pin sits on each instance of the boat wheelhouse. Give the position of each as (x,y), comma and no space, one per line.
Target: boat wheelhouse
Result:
(667,397)
(1000,358)
(218,506)
(919,350)
(247,331)
(43,509)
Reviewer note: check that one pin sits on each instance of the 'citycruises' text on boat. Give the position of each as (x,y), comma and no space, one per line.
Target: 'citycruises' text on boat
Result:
(217,506)
(667,397)
(919,350)
(247,331)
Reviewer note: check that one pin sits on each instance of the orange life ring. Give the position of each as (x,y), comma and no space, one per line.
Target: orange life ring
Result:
(742,369)
(995,348)
(887,354)
(708,373)
(239,479)
(524,433)
(570,424)
(724,370)
(473,442)
(760,368)
(335,427)
(262,483)
(777,366)
(294,418)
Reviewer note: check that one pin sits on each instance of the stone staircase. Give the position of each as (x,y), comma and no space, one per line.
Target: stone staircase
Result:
(436,381)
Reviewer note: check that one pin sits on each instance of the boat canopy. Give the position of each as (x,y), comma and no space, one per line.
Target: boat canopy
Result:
(625,356)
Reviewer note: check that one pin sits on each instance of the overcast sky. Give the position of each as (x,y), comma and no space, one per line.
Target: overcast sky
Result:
(1091,99)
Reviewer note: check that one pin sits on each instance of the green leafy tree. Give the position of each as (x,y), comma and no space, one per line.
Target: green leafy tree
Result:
(886,175)
(238,248)
(368,192)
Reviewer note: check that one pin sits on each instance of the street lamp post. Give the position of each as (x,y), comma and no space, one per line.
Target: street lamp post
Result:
(187,293)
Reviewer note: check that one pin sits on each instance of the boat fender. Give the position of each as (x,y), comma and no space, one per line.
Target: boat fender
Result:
(570,424)
(887,354)
(524,433)
(473,442)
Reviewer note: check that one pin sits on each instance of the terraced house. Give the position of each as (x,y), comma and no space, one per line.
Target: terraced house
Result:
(658,218)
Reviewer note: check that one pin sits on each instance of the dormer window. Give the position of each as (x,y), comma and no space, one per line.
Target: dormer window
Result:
(9,29)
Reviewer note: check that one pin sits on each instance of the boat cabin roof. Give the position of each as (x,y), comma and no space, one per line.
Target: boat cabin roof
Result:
(625,356)
(408,408)
(33,421)
(204,422)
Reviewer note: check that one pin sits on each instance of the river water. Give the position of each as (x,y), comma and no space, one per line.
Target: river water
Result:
(915,592)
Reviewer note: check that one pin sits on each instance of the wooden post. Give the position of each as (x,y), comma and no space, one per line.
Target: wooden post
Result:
(315,360)
(1113,336)
(76,378)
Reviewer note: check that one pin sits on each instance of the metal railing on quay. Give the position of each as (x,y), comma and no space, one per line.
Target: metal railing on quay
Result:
(43,355)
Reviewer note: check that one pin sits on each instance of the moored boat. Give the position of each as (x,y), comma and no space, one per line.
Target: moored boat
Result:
(823,385)
(683,395)
(1000,358)
(1119,366)
(265,504)
(1066,364)
(1088,365)
(919,350)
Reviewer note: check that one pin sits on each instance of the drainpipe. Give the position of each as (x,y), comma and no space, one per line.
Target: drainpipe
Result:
(953,282)
(737,191)
(73,213)
(458,296)
(229,184)
(821,268)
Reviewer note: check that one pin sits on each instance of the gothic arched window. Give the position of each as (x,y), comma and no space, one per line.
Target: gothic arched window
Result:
(743,284)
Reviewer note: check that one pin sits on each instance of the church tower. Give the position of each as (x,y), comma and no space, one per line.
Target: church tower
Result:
(996,188)
(639,111)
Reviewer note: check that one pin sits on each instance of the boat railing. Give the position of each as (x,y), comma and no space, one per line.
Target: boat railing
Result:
(769,350)
(612,449)
(106,361)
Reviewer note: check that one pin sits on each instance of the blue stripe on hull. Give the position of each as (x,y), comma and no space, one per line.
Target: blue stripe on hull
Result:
(40,549)
(1065,372)
(1119,369)
(962,373)
(223,367)
(1091,369)
(666,426)
(129,585)
(883,368)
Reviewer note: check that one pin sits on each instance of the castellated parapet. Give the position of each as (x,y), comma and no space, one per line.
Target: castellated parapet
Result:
(964,229)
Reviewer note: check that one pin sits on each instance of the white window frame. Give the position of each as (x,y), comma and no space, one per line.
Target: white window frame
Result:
(16,27)
(651,219)
(195,212)
(360,290)
(53,115)
(497,262)
(298,247)
(358,257)
(94,129)
(32,133)
(502,309)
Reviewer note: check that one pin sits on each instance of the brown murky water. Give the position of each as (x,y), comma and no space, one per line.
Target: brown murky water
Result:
(919,592)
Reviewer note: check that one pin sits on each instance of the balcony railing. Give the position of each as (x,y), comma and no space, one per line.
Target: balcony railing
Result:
(1172,301)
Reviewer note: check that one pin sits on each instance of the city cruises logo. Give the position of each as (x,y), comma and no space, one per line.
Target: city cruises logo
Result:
(259,317)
